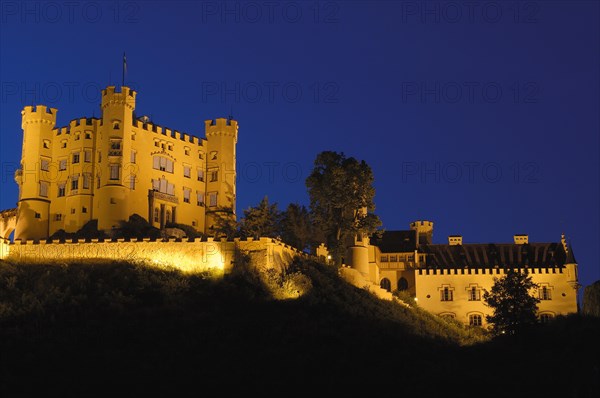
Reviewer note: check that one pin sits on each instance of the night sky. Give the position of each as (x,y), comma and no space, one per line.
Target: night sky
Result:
(481,118)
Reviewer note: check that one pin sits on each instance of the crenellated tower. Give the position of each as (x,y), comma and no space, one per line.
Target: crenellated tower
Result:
(33,176)
(113,145)
(221,136)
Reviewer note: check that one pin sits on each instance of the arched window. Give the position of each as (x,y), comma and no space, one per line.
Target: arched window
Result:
(546,317)
(386,284)
(475,320)
(402,284)
(168,216)
(156,214)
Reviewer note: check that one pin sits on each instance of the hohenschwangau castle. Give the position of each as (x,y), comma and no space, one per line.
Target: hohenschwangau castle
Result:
(109,168)
(112,167)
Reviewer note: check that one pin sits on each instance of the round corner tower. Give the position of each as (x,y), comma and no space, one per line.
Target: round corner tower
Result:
(221,137)
(33,213)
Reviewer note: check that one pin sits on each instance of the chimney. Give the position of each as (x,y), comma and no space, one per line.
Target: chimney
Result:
(454,240)
(521,239)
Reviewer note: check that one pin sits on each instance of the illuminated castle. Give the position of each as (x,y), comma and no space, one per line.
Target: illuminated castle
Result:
(112,167)
(449,279)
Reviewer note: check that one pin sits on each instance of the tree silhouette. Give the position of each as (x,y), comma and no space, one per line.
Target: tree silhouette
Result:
(262,220)
(514,307)
(340,189)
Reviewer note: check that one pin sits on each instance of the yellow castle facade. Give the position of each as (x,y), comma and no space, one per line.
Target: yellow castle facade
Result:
(450,279)
(112,167)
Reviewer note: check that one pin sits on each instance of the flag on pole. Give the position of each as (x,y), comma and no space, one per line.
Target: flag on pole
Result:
(124,70)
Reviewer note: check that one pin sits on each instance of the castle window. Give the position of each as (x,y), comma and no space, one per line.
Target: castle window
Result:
(132,182)
(44,189)
(58,217)
(402,284)
(113,201)
(132,137)
(200,155)
(156,214)
(214,175)
(170,147)
(44,164)
(186,195)
(212,199)
(200,175)
(384,259)
(74,183)
(164,186)
(75,157)
(168,216)
(86,180)
(87,156)
(545,293)
(97,181)
(546,317)
(88,135)
(385,284)
(99,157)
(156,143)
(474,293)
(213,155)
(114,171)
(133,157)
(77,136)
(475,320)
(38,215)
(72,211)
(84,209)
(116,125)
(163,164)
(194,223)
(46,144)
(187,171)
(446,294)
(62,164)
(200,198)
(393,259)
(186,150)
(115,148)
(63,144)
(61,189)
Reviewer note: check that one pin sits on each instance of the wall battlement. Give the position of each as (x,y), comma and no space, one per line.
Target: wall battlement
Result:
(193,255)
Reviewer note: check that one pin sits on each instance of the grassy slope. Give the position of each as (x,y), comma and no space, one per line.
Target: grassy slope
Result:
(125,328)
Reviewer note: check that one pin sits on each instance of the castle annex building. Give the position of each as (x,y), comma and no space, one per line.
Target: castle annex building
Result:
(112,167)
(449,279)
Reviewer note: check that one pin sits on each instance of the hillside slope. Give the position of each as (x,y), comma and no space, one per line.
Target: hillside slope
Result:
(122,328)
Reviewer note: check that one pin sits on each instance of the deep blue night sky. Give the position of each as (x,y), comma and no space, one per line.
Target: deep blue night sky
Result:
(483,119)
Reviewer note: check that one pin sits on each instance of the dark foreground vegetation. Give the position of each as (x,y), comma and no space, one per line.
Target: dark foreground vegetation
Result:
(123,329)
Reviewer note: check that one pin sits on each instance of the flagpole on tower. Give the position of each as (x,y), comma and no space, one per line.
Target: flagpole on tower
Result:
(124,69)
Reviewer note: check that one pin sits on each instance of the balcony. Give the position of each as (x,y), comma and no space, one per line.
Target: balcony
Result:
(163,196)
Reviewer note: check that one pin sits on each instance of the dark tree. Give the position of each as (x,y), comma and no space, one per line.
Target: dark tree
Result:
(224,224)
(341,194)
(296,229)
(513,305)
(262,220)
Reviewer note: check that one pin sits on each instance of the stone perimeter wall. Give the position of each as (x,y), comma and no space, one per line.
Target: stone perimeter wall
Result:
(190,256)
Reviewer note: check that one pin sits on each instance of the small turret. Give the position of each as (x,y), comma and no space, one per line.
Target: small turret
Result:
(424,231)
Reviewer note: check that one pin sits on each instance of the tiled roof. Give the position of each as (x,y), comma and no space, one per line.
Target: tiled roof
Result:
(490,254)
(396,241)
